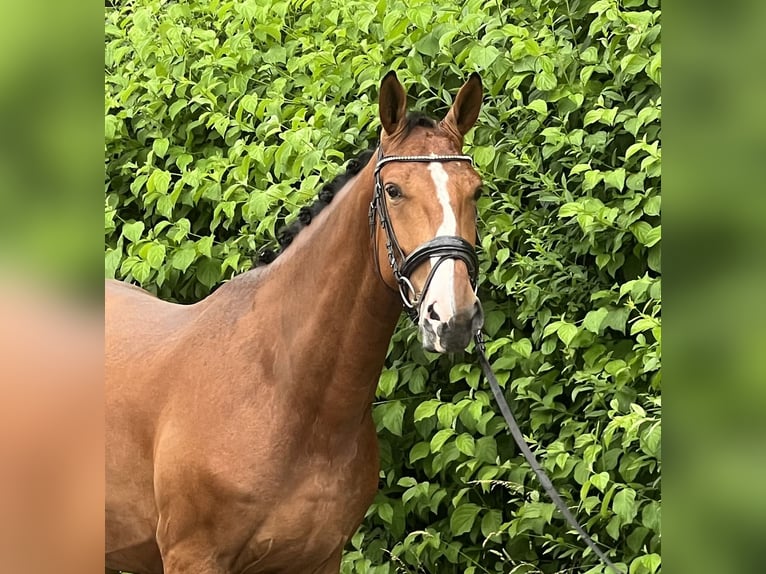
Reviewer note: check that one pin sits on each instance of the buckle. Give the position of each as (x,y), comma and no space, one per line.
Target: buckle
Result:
(405,283)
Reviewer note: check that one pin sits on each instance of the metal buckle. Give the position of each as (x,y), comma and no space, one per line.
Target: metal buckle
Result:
(405,283)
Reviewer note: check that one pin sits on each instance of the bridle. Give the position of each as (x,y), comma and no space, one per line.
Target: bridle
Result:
(442,247)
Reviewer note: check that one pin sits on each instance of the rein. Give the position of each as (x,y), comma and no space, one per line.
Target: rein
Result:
(454,247)
(530,457)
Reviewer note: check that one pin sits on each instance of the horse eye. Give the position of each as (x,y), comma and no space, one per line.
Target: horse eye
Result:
(393,191)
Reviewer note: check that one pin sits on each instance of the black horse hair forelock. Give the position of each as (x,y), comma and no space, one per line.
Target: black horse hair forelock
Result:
(418,119)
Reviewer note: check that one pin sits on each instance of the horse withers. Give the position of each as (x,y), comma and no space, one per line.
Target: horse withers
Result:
(239,434)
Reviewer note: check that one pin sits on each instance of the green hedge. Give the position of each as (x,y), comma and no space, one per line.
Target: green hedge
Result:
(223,118)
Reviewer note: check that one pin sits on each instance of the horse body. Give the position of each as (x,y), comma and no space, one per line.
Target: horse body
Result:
(239,435)
(270,458)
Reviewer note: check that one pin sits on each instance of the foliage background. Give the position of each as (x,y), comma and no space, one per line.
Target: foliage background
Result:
(222,118)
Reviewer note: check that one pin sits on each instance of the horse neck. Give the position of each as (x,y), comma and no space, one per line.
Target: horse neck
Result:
(335,316)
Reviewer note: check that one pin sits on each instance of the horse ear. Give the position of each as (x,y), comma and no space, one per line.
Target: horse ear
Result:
(465,109)
(392,103)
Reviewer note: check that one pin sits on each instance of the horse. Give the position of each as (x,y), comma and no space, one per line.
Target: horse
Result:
(239,431)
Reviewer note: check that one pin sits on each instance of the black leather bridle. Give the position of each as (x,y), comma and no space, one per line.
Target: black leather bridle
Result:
(442,247)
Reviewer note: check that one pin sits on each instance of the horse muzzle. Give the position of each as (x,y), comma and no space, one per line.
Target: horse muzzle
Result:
(455,333)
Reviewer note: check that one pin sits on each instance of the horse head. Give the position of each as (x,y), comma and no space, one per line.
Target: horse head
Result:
(425,199)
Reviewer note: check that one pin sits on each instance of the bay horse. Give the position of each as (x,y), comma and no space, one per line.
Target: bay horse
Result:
(239,431)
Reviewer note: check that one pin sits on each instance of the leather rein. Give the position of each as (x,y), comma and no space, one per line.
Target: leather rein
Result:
(442,248)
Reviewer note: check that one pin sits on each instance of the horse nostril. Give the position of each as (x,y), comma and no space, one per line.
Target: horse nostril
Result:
(432,314)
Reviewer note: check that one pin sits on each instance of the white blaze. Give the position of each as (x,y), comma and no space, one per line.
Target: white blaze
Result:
(441,293)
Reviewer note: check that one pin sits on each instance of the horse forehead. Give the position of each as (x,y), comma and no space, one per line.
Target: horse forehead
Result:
(428,179)
(458,173)
(453,177)
(431,142)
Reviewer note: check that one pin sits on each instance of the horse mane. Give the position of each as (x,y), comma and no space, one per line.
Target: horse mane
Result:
(287,233)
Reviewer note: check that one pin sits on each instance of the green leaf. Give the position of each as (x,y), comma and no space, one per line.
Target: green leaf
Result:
(465,444)
(551,328)
(592,116)
(566,332)
(615,178)
(387,382)
(490,522)
(132,231)
(632,64)
(386,512)
(249,102)
(654,69)
(650,440)
(650,516)
(156,256)
(636,538)
(462,518)
(590,55)
(545,81)
(160,147)
(647,564)
(112,262)
(592,178)
(624,505)
(208,271)
(231,261)
(437,442)
(483,56)
(205,246)
(493,321)
(158,181)
(570,209)
(539,106)
(393,415)
(594,319)
(428,45)
(616,318)
(257,206)
(645,233)
(523,347)
(446,415)
(483,155)
(654,260)
(426,409)
(183,161)
(141,271)
(643,324)
(600,480)
(419,451)
(183,257)
(486,449)
(652,205)
(176,107)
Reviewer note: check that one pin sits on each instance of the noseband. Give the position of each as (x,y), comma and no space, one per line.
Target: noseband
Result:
(442,247)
